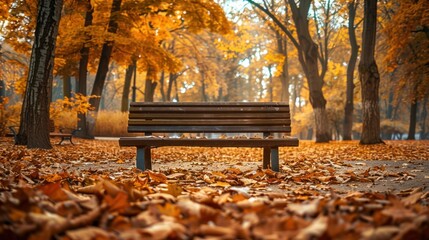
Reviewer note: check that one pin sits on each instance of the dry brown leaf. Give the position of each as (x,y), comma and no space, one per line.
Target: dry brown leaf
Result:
(88,233)
(174,189)
(68,209)
(92,189)
(220,184)
(399,214)
(120,223)
(308,209)
(212,230)
(412,199)
(164,230)
(111,188)
(54,191)
(169,210)
(380,233)
(316,229)
(118,203)
(200,211)
(157,177)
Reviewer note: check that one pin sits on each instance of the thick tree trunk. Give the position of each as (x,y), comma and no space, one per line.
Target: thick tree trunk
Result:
(83,70)
(106,52)
(308,56)
(349,108)
(413,121)
(369,77)
(34,124)
(127,86)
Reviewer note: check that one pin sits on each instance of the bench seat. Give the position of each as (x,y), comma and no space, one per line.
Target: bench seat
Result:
(225,117)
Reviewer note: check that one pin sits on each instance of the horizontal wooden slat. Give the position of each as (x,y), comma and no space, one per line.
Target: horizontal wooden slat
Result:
(208,129)
(208,122)
(208,104)
(204,115)
(156,142)
(207,109)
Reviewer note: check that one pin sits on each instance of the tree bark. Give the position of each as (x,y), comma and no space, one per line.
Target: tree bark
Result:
(127,86)
(308,58)
(413,121)
(150,85)
(34,123)
(106,52)
(369,77)
(172,79)
(284,77)
(83,70)
(424,113)
(349,108)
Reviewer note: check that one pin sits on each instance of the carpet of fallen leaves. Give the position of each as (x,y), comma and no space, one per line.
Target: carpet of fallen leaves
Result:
(92,191)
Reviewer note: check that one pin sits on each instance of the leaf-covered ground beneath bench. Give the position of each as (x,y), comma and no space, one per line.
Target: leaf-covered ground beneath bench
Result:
(93,191)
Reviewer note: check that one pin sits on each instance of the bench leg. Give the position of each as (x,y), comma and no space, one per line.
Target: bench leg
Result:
(275,159)
(143,158)
(266,159)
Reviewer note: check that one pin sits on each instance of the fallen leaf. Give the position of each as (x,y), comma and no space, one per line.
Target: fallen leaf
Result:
(157,177)
(88,233)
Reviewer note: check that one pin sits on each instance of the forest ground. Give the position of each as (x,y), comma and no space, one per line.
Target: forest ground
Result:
(378,191)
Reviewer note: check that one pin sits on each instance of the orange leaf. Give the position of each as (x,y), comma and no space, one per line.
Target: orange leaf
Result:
(157,177)
(117,204)
(54,192)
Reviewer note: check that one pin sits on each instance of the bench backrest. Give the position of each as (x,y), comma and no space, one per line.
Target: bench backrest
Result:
(213,117)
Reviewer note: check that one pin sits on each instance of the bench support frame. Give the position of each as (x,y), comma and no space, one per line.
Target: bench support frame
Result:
(270,119)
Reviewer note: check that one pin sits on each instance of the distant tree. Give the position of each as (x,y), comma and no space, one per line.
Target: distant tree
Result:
(34,123)
(348,109)
(369,77)
(83,67)
(407,38)
(313,56)
(106,52)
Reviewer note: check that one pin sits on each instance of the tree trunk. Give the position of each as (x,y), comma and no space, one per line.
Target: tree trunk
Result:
(308,57)
(424,114)
(369,77)
(150,85)
(348,109)
(67,86)
(204,97)
(34,123)
(172,79)
(161,87)
(413,121)
(127,86)
(2,90)
(83,70)
(106,52)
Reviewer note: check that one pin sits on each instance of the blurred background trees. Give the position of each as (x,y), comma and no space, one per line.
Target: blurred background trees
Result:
(224,50)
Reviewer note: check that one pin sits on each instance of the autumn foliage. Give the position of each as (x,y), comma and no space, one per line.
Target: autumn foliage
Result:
(93,191)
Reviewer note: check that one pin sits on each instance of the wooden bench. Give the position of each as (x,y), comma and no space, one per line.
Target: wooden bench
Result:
(214,117)
(64,133)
